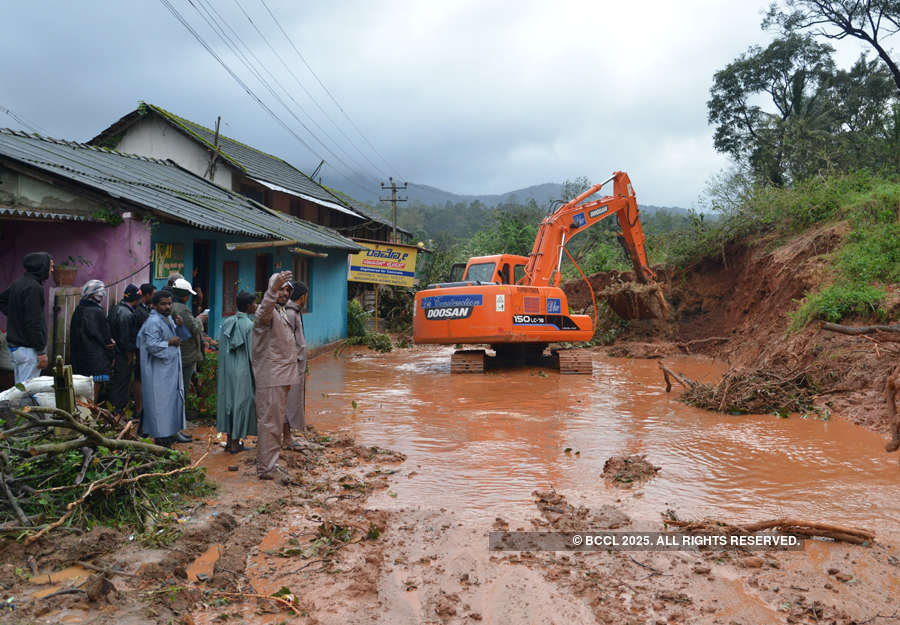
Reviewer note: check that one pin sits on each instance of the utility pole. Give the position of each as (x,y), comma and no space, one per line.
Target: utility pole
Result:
(211,170)
(393,200)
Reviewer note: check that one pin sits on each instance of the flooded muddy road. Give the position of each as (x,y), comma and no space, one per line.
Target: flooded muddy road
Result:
(386,516)
(480,444)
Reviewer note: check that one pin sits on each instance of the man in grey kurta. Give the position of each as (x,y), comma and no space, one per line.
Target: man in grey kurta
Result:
(236,404)
(296,407)
(275,370)
(163,386)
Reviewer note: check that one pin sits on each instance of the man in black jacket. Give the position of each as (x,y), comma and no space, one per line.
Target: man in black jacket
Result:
(26,327)
(141,313)
(122,325)
(91,341)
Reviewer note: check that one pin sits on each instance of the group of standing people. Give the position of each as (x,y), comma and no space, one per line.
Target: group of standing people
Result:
(262,372)
(149,345)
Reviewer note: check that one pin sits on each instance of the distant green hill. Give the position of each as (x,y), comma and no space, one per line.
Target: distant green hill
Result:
(426,195)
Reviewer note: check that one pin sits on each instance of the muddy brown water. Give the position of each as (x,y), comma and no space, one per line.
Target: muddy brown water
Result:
(480,444)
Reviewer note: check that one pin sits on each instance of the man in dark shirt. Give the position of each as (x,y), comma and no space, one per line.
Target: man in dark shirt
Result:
(122,326)
(26,327)
(141,312)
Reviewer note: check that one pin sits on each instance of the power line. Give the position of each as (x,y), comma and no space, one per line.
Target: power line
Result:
(222,23)
(175,13)
(219,30)
(306,91)
(324,88)
(22,121)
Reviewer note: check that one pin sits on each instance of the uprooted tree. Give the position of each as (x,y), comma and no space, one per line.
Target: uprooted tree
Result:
(54,463)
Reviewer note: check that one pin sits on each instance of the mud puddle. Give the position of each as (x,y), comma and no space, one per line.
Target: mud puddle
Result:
(480,444)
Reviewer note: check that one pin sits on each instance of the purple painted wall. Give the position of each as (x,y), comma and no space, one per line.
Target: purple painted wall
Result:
(113,252)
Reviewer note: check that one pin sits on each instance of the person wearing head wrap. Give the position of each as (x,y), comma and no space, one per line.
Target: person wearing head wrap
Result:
(275,370)
(235,392)
(124,331)
(26,324)
(296,405)
(91,340)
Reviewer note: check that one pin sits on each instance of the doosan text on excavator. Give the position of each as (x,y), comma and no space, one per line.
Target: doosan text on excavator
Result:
(515,303)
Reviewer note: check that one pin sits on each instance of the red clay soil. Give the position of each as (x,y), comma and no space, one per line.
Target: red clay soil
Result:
(744,297)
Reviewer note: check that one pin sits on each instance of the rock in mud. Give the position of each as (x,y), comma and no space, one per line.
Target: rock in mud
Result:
(562,516)
(625,471)
(98,587)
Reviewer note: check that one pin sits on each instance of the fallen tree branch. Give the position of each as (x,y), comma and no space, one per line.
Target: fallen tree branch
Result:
(89,433)
(686,345)
(667,373)
(245,595)
(125,430)
(776,523)
(854,330)
(93,486)
(787,526)
(12,501)
(105,570)
(88,453)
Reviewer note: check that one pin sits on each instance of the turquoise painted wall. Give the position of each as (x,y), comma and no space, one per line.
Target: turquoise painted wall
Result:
(326,320)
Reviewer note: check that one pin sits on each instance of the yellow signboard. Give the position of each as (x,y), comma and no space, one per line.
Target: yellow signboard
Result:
(384,263)
(169,257)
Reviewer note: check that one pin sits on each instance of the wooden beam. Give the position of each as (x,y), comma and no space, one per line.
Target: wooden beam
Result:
(258,245)
(300,250)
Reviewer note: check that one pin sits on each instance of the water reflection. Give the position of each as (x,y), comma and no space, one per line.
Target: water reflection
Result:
(482,443)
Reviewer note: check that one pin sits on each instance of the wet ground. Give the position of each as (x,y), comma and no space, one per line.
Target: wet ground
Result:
(480,444)
(478,449)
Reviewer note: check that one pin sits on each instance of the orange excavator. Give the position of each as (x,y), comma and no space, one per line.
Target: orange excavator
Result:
(514,303)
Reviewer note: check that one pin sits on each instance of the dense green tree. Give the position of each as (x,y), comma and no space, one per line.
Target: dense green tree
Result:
(793,73)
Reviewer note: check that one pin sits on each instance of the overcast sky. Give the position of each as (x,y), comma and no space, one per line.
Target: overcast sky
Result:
(471,96)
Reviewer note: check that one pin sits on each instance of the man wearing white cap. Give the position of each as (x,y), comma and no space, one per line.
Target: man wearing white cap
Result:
(191,347)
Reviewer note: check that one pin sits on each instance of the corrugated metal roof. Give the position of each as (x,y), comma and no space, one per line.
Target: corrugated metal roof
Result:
(277,187)
(255,163)
(164,187)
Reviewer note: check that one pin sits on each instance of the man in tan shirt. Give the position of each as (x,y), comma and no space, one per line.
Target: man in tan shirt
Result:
(296,413)
(275,370)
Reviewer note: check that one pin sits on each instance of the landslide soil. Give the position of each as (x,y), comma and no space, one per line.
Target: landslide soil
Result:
(736,307)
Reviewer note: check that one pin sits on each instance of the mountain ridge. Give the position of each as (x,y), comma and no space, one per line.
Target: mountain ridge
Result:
(542,194)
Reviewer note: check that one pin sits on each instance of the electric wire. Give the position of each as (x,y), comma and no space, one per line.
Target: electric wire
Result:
(187,25)
(307,92)
(22,121)
(219,30)
(330,95)
(223,23)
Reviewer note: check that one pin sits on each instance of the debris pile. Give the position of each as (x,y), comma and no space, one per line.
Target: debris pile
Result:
(625,471)
(755,391)
(54,463)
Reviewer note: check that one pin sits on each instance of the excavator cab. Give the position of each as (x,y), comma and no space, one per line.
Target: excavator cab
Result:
(457,270)
(500,269)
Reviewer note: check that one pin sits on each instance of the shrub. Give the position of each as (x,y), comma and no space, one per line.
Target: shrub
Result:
(842,299)
(356,319)
(201,397)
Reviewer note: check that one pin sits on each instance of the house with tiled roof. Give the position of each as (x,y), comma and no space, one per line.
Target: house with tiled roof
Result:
(124,218)
(151,130)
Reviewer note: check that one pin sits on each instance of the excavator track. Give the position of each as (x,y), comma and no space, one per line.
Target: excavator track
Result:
(574,361)
(468,361)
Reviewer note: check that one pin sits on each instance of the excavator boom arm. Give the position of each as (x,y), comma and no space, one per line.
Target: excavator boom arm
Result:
(579,214)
